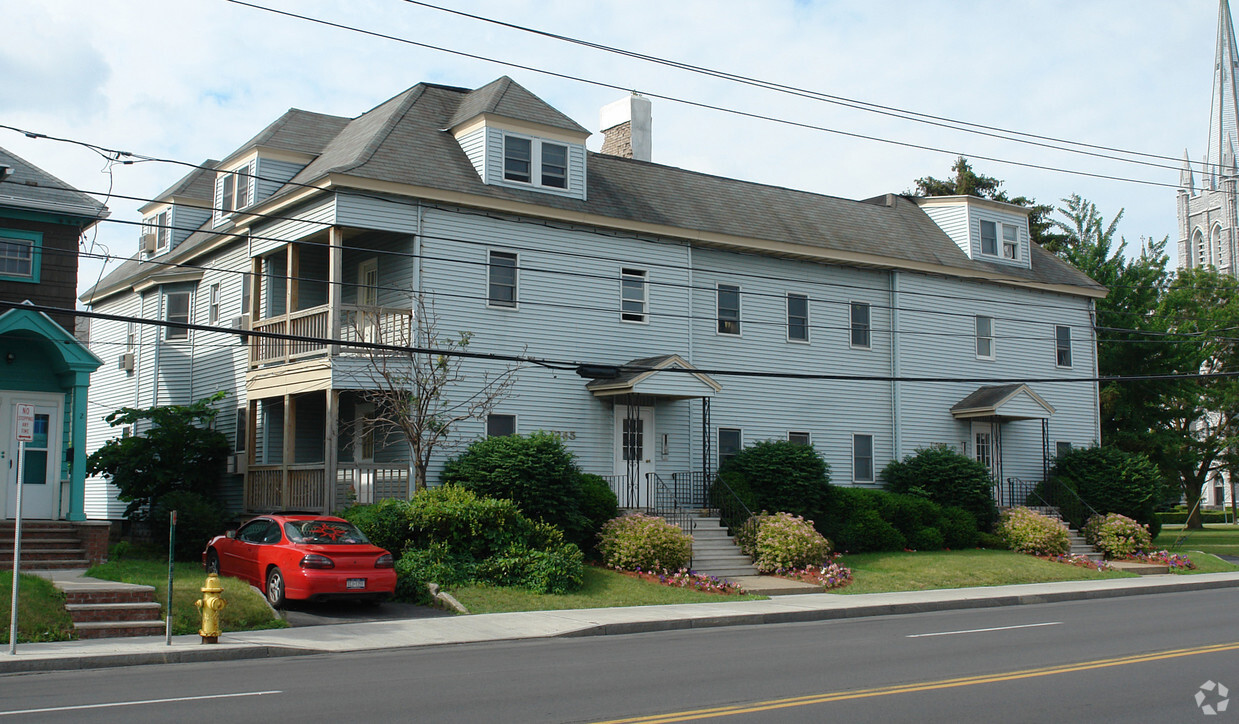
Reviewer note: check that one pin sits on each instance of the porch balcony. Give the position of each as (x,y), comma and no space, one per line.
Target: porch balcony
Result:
(356,323)
(303,486)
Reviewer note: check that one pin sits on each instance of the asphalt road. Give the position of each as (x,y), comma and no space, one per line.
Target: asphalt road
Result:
(1141,658)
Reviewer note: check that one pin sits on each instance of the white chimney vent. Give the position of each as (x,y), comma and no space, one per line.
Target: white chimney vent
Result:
(626,128)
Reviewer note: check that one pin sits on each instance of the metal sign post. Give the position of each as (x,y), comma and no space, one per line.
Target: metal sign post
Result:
(25,434)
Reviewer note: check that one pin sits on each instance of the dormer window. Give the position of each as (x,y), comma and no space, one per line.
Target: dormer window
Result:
(232,190)
(1010,239)
(522,156)
(159,228)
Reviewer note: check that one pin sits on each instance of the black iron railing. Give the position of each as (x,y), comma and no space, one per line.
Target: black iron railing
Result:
(1053,494)
(732,512)
(630,490)
(666,505)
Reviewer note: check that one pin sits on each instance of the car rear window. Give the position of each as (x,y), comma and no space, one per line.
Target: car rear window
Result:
(324,532)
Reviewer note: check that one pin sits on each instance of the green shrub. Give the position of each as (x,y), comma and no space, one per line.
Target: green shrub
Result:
(468,522)
(1027,531)
(1179,517)
(198,519)
(959,528)
(946,477)
(909,513)
(867,531)
(558,570)
(598,505)
(1117,535)
(783,476)
(783,541)
(437,563)
(927,539)
(642,542)
(1111,481)
(535,472)
(386,523)
(991,541)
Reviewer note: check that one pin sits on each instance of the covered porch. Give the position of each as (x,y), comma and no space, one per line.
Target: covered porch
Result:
(990,411)
(654,465)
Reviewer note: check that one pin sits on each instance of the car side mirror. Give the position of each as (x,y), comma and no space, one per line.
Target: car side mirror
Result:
(231,534)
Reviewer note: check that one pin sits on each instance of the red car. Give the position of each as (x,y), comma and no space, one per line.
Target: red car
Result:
(303,557)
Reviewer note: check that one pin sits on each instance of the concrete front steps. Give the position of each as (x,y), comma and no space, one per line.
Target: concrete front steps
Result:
(107,609)
(715,553)
(1079,547)
(46,545)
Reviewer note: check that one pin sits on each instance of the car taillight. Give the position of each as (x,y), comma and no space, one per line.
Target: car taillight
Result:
(384,561)
(314,560)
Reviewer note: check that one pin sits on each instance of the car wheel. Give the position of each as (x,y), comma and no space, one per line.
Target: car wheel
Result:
(275,587)
(212,561)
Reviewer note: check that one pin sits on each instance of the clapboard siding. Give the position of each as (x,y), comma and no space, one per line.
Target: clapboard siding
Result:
(310,219)
(110,389)
(271,175)
(953,220)
(494,165)
(186,220)
(474,146)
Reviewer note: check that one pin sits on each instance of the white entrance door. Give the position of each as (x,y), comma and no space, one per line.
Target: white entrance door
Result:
(983,445)
(368,300)
(363,452)
(41,466)
(634,453)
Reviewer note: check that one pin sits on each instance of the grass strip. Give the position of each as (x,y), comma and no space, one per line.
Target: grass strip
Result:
(926,570)
(247,610)
(41,614)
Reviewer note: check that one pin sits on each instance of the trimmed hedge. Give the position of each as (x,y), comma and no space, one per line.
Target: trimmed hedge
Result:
(780,475)
(1111,481)
(862,519)
(1206,516)
(945,477)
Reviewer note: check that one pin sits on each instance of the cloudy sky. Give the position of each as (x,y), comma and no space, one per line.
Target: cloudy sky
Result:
(193,79)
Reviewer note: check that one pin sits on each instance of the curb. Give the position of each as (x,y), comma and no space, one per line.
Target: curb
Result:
(968,600)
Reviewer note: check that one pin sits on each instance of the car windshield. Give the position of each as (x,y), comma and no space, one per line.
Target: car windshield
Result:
(323,532)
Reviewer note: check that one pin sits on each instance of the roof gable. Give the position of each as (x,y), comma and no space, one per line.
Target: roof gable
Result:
(31,188)
(505,97)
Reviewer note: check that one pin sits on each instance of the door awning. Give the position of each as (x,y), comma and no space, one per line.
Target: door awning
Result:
(1003,402)
(654,376)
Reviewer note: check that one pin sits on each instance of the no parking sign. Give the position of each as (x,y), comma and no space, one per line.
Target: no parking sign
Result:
(25,422)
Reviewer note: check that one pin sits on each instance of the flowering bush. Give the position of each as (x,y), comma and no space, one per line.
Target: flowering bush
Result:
(782,541)
(1174,560)
(685,578)
(1074,559)
(1027,531)
(644,542)
(1117,535)
(832,575)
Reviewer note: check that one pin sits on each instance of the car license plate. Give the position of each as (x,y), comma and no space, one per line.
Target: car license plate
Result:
(355,583)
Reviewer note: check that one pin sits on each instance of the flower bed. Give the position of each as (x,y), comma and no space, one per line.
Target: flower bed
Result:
(1174,560)
(1079,561)
(829,577)
(685,578)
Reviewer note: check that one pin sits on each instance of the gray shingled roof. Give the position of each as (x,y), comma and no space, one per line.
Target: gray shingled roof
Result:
(505,97)
(297,130)
(30,187)
(197,184)
(987,396)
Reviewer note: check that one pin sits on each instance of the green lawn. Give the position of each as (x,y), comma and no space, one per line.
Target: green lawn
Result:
(1216,538)
(246,609)
(924,570)
(602,589)
(41,614)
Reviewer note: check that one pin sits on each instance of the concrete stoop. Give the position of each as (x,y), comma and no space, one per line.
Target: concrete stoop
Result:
(716,554)
(46,546)
(1079,547)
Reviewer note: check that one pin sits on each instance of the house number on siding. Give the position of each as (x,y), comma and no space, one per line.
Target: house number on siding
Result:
(563,434)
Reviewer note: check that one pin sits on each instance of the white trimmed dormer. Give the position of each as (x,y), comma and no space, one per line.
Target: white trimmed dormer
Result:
(247,178)
(984,229)
(514,139)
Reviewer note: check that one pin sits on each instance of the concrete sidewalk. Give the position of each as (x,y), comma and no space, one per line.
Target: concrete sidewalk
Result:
(371,636)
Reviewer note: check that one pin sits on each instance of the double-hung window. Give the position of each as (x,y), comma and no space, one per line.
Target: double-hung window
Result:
(729,441)
(501,284)
(862,458)
(860,325)
(798,317)
(989,238)
(176,309)
(213,305)
(985,337)
(990,231)
(728,305)
(634,295)
(1062,346)
(19,255)
(1010,241)
(536,162)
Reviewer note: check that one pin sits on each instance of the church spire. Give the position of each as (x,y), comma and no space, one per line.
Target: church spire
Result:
(1224,110)
(1187,179)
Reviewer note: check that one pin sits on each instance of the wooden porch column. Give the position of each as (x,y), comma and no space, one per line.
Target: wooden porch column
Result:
(258,292)
(292,272)
(335,284)
(290,446)
(251,447)
(331,452)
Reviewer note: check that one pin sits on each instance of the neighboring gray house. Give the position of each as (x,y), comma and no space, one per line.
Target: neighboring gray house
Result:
(487,203)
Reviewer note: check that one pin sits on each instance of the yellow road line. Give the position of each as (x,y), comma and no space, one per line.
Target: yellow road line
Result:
(772,704)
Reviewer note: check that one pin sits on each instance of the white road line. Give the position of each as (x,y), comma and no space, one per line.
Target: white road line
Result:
(983,630)
(137,703)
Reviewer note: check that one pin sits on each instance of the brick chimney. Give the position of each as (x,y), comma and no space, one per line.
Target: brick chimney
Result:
(626,128)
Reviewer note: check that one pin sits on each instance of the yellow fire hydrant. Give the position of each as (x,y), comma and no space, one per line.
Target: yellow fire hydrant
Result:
(211,604)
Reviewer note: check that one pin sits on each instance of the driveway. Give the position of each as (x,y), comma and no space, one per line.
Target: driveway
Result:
(307,613)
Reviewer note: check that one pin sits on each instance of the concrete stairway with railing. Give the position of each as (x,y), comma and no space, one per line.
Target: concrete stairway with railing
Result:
(1079,547)
(715,553)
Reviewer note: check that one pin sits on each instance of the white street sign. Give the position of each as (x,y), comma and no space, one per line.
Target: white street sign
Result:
(25,422)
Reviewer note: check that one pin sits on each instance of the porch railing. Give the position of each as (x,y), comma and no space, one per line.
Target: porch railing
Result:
(384,325)
(372,482)
(270,488)
(732,511)
(667,506)
(631,492)
(1053,494)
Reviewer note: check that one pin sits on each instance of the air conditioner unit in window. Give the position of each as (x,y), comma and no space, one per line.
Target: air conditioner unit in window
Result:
(148,242)
(241,323)
(125,362)
(236,464)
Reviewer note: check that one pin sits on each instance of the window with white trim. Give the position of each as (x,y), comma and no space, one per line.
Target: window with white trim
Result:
(233,190)
(213,304)
(860,326)
(500,425)
(1010,241)
(729,442)
(1010,233)
(1062,346)
(634,295)
(242,436)
(501,279)
(728,309)
(19,254)
(536,162)
(131,336)
(985,337)
(799,438)
(798,317)
(862,458)
(1061,448)
(176,309)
